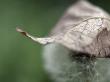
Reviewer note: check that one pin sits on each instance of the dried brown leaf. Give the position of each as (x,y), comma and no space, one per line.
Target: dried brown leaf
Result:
(83,28)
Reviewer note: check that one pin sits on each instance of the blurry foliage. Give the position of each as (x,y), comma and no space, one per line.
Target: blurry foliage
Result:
(20,58)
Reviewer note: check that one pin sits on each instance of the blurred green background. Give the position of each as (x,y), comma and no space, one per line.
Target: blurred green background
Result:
(20,58)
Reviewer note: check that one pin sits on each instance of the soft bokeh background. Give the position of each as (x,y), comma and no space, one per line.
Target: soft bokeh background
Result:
(20,58)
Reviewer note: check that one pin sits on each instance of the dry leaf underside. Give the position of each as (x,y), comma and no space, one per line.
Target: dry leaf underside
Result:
(83,28)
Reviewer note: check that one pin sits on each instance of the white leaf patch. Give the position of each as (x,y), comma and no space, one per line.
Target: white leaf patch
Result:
(88,32)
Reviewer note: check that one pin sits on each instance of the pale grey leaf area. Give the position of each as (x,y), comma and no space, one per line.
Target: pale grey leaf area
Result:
(80,27)
(84,28)
(78,47)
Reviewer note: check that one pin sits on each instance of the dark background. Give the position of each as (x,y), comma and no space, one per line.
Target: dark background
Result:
(20,58)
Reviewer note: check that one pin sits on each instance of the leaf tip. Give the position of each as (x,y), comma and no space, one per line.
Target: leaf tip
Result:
(21,31)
